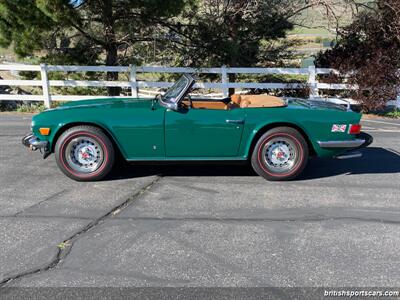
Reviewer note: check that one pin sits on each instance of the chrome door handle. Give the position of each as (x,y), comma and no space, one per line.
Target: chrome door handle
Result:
(235,121)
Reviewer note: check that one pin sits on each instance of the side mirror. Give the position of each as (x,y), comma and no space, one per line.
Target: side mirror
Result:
(173,106)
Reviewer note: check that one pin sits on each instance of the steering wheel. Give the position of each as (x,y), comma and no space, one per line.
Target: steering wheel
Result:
(154,100)
(190,101)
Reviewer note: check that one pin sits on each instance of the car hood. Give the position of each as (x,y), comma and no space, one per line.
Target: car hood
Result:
(105,102)
(315,104)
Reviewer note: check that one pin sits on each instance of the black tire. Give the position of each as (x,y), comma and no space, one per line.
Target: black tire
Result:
(280,154)
(84,144)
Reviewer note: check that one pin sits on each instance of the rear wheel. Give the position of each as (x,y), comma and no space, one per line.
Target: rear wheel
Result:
(280,154)
(84,153)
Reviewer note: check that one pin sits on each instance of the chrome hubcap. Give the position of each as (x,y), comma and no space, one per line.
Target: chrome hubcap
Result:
(280,154)
(84,155)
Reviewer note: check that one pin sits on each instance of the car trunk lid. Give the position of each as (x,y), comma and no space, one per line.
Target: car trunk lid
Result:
(316,104)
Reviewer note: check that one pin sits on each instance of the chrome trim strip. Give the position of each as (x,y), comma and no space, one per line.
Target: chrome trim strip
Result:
(235,121)
(341,144)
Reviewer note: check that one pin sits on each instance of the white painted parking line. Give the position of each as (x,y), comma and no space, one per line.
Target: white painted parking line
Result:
(383,130)
(382,122)
(370,128)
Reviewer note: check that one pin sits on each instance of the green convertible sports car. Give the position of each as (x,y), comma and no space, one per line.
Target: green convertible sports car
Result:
(277,136)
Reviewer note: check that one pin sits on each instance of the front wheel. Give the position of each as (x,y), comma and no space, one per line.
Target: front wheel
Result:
(280,154)
(84,153)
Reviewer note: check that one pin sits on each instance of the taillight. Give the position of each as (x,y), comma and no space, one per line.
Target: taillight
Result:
(355,129)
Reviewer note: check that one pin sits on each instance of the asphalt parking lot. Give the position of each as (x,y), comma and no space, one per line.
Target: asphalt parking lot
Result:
(201,225)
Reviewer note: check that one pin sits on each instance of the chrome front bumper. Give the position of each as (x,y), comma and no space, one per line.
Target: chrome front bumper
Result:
(33,143)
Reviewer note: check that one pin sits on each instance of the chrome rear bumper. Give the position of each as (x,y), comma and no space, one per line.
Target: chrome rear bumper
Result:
(341,144)
(34,143)
(363,140)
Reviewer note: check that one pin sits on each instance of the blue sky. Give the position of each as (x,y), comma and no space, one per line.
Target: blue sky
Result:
(76,2)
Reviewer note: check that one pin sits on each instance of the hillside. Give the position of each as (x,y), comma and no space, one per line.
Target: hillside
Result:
(317,31)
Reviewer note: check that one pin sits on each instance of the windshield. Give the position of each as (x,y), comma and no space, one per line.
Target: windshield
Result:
(173,94)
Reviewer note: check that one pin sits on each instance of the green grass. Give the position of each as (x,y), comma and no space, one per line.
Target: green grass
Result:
(30,108)
(311,31)
(33,108)
(392,114)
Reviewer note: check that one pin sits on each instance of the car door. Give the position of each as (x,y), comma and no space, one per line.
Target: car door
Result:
(203,133)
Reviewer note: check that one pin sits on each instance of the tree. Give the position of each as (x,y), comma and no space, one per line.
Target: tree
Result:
(82,31)
(369,52)
(229,32)
(186,32)
(232,33)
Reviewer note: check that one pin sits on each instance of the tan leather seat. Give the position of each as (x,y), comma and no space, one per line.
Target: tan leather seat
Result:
(252,101)
(235,102)
(206,104)
(235,99)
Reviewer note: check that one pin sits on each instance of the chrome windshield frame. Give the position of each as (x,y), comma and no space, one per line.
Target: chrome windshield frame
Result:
(174,103)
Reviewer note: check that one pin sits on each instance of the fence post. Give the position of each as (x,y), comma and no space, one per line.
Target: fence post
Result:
(45,85)
(312,82)
(133,79)
(398,101)
(225,81)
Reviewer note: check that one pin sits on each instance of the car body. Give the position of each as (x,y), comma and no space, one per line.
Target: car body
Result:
(171,128)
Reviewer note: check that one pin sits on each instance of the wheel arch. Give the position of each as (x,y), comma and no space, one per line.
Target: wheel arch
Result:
(106,131)
(269,126)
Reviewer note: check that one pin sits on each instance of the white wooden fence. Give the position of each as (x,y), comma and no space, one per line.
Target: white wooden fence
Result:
(135,85)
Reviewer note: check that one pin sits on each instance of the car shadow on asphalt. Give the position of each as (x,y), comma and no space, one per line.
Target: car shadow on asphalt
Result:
(203,169)
(374,161)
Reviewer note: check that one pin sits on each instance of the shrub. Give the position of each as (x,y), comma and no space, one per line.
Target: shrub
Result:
(369,52)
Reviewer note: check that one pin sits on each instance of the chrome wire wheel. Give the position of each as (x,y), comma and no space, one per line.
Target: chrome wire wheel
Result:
(280,154)
(84,154)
